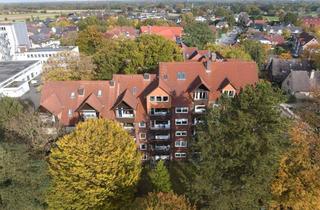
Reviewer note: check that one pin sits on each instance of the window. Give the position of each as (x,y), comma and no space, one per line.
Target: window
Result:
(145,156)
(200,95)
(99,93)
(143,146)
(159,98)
(181,133)
(81,91)
(181,109)
(181,76)
(70,112)
(180,154)
(143,135)
(72,95)
(142,124)
(181,121)
(229,93)
(181,143)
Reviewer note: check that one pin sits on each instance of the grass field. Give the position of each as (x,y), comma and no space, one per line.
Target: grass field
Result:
(23,17)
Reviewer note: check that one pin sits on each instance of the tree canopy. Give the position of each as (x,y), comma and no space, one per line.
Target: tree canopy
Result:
(238,152)
(198,35)
(232,52)
(163,201)
(89,40)
(297,184)
(68,66)
(134,56)
(97,166)
(160,178)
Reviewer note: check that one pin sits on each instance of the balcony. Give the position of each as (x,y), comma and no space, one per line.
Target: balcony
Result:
(200,95)
(161,149)
(124,113)
(88,114)
(160,137)
(159,124)
(128,126)
(159,112)
(200,109)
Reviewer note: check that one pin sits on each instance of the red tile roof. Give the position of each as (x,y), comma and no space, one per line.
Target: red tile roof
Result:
(122,31)
(311,21)
(57,97)
(168,32)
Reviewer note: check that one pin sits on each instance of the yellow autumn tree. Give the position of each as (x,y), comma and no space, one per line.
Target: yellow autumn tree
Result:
(163,201)
(68,66)
(97,166)
(297,183)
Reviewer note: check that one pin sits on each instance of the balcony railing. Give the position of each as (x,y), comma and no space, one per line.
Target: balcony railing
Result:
(159,112)
(160,126)
(162,148)
(162,137)
(200,109)
(124,113)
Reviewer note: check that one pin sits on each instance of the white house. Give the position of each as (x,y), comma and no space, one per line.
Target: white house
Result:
(16,75)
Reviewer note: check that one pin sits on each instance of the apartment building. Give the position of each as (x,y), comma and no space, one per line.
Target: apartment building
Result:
(13,38)
(160,110)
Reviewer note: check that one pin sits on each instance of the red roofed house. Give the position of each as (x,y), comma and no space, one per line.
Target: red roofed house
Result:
(122,31)
(159,110)
(169,32)
(311,21)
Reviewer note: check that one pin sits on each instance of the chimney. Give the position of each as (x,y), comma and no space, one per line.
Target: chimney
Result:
(111,83)
(208,65)
(146,76)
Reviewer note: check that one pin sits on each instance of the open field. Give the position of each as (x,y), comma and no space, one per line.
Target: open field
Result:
(23,17)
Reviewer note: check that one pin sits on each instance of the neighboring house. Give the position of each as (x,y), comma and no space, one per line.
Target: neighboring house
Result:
(200,19)
(271,39)
(193,54)
(301,83)
(302,42)
(168,32)
(43,54)
(259,24)
(122,31)
(278,29)
(278,69)
(159,110)
(222,24)
(15,77)
(13,38)
(311,21)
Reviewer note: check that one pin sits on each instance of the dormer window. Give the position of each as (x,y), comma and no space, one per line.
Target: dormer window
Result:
(72,95)
(229,93)
(99,93)
(181,76)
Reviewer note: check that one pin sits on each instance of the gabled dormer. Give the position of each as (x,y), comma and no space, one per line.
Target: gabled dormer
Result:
(199,89)
(227,88)
(158,96)
(125,105)
(91,107)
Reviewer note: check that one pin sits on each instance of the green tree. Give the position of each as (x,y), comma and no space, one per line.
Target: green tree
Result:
(97,166)
(9,108)
(291,18)
(238,152)
(257,51)
(297,184)
(160,178)
(157,49)
(89,40)
(163,201)
(198,35)
(232,52)
(23,177)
